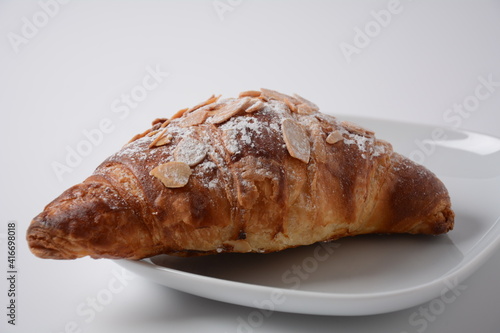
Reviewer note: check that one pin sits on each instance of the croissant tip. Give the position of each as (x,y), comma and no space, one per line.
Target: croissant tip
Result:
(39,248)
(41,242)
(447,221)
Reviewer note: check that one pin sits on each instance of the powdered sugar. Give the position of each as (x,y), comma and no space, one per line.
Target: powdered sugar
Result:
(139,152)
(241,130)
(378,150)
(203,170)
(367,145)
(190,151)
(362,142)
(207,166)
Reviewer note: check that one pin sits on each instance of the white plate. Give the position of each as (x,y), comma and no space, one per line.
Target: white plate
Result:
(365,274)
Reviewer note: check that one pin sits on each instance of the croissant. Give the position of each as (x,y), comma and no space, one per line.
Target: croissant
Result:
(259,173)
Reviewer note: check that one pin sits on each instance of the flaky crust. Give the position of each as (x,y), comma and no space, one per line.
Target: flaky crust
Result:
(259,173)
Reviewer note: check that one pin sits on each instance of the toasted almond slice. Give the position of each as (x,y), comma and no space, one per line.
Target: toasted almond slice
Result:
(158,138)
(165,139)
(210,100)
(230,110)
(305,109)
(296,140)
(194,118)
(334,137)
(166,122)
(178,114)
(302,100)
(257,106)
(250,93)
(290,105)
(140,135)
(158,121)
(271,94)
(323,117)
(351,127)
(172,174)
(190,151)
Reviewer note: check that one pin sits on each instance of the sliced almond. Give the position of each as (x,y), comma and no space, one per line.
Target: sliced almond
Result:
(210,100)
(230,110)
(150,134)
(172,174)
(194,118)
(250,93)
(151,131)
(334,137)
(138,136)
(353,128)
(290,105)
(165,139)
(257,106)
(158,138)
(178,114)
(307,102)
(158,121)
(190,151)
(271,94)
(296,140)
(305,109)
(323,117)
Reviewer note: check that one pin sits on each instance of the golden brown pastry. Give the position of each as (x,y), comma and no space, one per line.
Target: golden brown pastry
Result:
(259,173)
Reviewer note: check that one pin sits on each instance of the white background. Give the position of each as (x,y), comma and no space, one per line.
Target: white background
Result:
(69,71)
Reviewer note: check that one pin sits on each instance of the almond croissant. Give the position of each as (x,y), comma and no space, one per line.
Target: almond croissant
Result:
(259,173)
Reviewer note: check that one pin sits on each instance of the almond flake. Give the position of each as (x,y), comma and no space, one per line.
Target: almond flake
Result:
(150,134)
(302,100)
(296,140)
(334,137)
(325,118)
(271,94)
(257,106)
(138,136)
(178,114)
(158,121)
(228,111)
(190,151)
(305,109)
(165,139)
(290,105)
(351,127)
(250,93)
(194,118)
(172,174)
(158,138)
(210,100)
